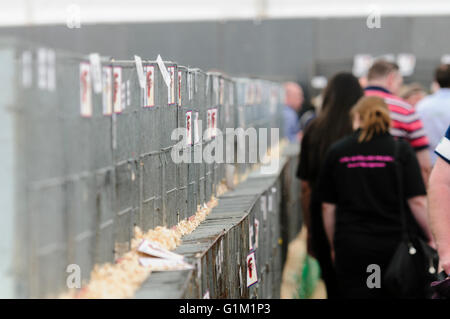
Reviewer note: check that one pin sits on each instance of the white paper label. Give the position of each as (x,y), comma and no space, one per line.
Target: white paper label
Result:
(42,68)
(149,95)
(140,71)
(208,125)
(216,89)
(162,68)
(270,203)
(196,81)
(196,128)
(252,273)
(189,127)
(189,85)
(206,295)
(107,90)
(199,268)
(179,87)
(218,265)
(406,63)
(319,82)
(156,250)
(445,59)
(264,206)
(171,89)
(214,122)
(361,64)
(94,59)
(161,264)
(221,91)
(117,89)
(85,90)
(241,286)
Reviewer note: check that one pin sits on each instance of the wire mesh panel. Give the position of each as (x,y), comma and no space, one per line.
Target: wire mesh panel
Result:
(95,155)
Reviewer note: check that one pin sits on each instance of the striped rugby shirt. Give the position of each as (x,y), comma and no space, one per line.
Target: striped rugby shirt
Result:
(443,148)
(406,123)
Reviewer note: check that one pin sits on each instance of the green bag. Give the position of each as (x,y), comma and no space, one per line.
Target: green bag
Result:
(308,279)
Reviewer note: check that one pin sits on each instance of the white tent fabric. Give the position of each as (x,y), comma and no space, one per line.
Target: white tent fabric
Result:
(31,12)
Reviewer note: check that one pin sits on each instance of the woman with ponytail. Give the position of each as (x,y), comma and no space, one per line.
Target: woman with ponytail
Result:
(360,199)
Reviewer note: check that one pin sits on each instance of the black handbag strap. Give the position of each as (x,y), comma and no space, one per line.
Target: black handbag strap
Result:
(398,177)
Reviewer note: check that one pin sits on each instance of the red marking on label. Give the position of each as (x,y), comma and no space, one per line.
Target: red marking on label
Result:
(84,83)
(116,87)
(250,270)
(149,83)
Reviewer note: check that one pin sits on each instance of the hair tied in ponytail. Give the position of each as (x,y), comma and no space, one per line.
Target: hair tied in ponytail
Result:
(374,115)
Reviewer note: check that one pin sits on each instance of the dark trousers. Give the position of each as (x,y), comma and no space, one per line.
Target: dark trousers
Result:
(322,250)
(353,255)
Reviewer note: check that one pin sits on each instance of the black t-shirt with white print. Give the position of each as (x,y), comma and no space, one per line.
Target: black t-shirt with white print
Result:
(360,179)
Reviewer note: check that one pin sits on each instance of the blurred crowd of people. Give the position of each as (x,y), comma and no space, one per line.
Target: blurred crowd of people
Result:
(367,153)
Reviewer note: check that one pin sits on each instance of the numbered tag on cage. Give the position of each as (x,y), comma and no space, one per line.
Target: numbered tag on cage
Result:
(208,125)
(221,91)
(250,237)
(214,120)
(149,96)
(179,87)
(252,273)
(171,93)
(361,64)
(270,203)
(264,206)
(107,90)
(196,128)
(85,90)
(117,90)
(406,63)
(42,68)
(189,128)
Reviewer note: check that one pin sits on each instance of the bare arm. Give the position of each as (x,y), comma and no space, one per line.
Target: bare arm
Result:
(418,206)
(305,201)
(329,219)
(439,210)
(423,156)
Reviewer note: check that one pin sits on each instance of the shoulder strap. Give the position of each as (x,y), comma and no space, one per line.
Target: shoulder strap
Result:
(398,176)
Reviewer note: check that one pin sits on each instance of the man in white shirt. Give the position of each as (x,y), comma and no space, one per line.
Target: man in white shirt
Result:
(434,110)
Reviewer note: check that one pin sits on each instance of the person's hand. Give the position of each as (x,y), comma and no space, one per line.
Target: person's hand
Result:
(432,244)
(444,264)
